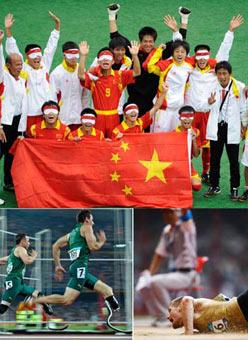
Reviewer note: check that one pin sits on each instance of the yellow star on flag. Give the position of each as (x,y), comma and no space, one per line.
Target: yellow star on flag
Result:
(124,146)
(115,157)
(127,190)
(155,167)
(115,177)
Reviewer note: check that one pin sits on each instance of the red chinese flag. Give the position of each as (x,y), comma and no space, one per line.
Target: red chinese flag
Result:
(140,170)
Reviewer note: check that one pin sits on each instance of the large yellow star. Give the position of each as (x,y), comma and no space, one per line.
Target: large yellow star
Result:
(115,177)
(124,146)
(127,190)
(155,167)
(115,157)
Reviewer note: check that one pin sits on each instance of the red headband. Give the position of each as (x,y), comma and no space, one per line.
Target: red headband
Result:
(34,50)
(186,115)
(130,108)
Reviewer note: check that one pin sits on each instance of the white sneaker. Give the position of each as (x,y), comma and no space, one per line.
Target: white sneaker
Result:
(158,322)
(2,201)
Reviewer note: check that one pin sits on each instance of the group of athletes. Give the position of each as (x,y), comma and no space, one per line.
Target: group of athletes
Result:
(81,241)
(154,289)
(167,90)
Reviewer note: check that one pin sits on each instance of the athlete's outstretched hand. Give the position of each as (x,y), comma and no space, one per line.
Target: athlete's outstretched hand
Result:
(9,20)
(236,22)
(59,273)
(55,19)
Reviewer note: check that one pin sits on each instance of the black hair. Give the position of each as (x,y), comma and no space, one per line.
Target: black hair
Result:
(147,30)
(68,45)
(30,46)
(82,215)
(8,59)
(186,108)
(225,65)
(202,47)
(88,110)
(103,49)
(20,237)
(117,42)
(50,102)
(180,43)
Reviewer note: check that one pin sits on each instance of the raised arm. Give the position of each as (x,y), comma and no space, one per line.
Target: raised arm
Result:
(1,56)
(84,51)
(3,138)
(187,307)
(113,9)
(94,243)
(134,49)
(226,45)
(11,45)
(171,23)
(52,42)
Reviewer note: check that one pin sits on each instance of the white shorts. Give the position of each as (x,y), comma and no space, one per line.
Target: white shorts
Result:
(244,159)
(165,120)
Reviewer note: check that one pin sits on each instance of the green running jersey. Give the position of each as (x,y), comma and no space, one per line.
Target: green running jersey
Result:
(15,266)
(78,248)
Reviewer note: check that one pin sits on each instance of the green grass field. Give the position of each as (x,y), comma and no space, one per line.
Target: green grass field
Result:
(88,20)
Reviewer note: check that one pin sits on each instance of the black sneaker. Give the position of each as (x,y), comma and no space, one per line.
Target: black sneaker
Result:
(234,195)
(184,10)
(47,308)
(113,7)
(212,191)
(205,179)
(244,196)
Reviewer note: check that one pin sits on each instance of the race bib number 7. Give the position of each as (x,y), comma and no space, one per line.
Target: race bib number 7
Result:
(8,285)
(81,273)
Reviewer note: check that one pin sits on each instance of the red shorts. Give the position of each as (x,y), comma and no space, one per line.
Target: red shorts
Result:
(107,124)
(31,120)
(200,122)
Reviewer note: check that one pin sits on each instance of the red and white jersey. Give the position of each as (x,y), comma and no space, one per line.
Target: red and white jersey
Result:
(202,82)
(175,75)
(68,92)
(125,65)
(176,79)
(37,81)
(12,93)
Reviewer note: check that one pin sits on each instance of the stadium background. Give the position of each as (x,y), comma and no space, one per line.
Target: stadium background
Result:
(88,20)
(221,235)
(112,264)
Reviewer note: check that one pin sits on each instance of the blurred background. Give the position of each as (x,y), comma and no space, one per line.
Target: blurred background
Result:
(112,264)
(222,235)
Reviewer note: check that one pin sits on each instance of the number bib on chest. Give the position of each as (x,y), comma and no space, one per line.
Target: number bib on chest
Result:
(74,253)
(218,326)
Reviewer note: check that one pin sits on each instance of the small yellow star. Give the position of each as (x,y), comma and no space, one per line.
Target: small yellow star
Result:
(115,157)
(127,190)
(155,167)
(115,177)
(124,146)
